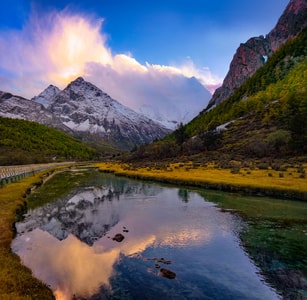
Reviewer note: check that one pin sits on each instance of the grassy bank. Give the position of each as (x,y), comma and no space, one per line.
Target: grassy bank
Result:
(59,185)
(16,281)
(289,183)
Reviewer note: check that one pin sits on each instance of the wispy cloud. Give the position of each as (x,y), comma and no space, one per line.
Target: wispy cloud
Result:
(57,47)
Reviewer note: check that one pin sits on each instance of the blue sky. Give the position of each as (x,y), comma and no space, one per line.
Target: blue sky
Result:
(192,37)
(166,31)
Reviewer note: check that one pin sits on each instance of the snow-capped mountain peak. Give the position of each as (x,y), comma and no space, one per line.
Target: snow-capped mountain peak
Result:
(90,112)
(45,98)
(85,111)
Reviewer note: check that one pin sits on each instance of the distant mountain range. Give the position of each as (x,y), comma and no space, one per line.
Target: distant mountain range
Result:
(84,111)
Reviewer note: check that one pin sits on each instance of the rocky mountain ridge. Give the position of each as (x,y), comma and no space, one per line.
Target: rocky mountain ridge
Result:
(85,111)
(17,107)
(252,55)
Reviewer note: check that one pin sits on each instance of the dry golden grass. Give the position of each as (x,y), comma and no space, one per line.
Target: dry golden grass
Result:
(16,281)
(270,182)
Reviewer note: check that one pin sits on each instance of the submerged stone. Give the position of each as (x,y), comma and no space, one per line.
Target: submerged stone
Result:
(118,237)
(168,273)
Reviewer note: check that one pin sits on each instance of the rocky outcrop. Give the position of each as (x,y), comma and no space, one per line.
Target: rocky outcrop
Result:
(168,273)
(249,57)
(118,237)
(291,22)
(47,95)
(252,55)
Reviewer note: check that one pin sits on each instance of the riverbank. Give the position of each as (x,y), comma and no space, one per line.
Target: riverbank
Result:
(16,281)
(290,183)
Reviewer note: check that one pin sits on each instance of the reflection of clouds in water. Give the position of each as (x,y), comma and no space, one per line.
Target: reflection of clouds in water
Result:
(68,266)
(185,237)
(72,267)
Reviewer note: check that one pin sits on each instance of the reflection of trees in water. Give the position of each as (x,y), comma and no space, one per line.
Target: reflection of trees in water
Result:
(125,186)
(183,195)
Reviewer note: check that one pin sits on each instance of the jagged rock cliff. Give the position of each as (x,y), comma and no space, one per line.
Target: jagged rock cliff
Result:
(252,55)
(291,22)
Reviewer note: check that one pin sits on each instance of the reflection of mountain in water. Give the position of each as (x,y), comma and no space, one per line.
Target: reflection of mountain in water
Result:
(88,213)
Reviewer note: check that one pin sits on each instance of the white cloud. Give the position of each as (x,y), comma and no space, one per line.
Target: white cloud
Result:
(210,81)
(58,47)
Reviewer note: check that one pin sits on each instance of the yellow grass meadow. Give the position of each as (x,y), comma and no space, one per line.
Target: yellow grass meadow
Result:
(288,184)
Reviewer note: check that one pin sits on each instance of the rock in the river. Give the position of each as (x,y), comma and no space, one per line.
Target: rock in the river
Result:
(118,237)
(162,260)
(168,273)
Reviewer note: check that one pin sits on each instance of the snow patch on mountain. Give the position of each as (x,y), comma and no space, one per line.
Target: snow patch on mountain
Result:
(85,127)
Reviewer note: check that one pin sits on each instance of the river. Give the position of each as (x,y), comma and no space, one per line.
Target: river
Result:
(175,244)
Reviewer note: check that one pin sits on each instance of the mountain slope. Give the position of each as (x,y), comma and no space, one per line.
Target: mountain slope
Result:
(24,142)
(274,97)
(172,108)
(86,112)
(253,54)
(274,71)
(265,117)
(16,107)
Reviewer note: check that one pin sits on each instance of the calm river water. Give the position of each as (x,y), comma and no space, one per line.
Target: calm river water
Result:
(69,245)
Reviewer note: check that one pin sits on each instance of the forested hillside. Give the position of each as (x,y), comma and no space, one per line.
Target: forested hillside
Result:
(24,142)
(265,117)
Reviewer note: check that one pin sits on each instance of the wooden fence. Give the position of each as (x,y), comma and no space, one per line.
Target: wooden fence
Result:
(9,174)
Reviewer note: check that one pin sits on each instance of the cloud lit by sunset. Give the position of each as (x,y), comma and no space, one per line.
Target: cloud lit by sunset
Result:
(52,49)
(58,47)
(72,43)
